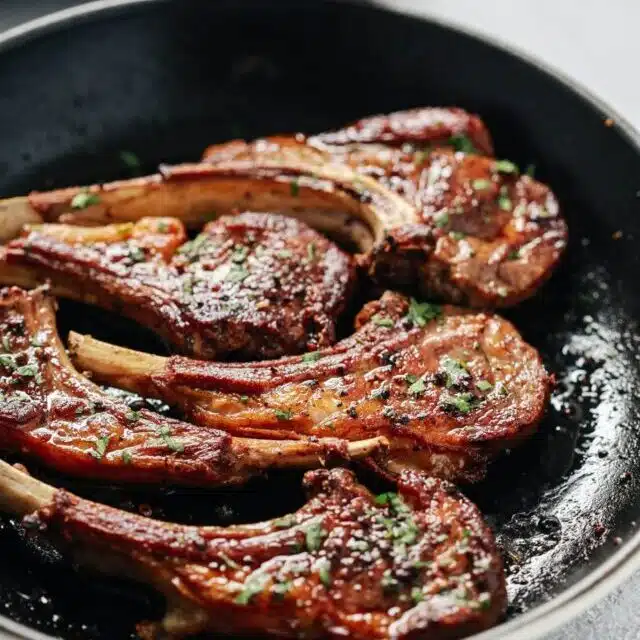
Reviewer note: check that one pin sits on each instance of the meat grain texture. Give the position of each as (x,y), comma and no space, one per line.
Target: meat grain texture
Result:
(51,413)
(250,286)
(449,388)
(419,563)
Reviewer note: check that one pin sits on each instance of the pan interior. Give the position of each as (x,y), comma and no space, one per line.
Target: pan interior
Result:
(163,80)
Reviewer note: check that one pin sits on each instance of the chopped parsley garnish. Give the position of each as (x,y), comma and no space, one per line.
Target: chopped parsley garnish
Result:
(513,255)
(420,313)
(237,273)
(28,371)
(187,285)
(324,574)
(172,443)
(481,184)
(401,528)
(313,356)
(417,595)
(417,388)
(410,378)
(192,248)
(102,444)
(7,362)
(132,416)
(505,166)
(530,170)
(244,399)
(284,253)
(162,227)
(311,252)
(442,219)
(285,414)
(127,458)
(84,199)
(285,522)
(457,235)
(420,156)
(463,143)
(504,202)
(461,402)
(455,371)
(314,535)
(294,187)
(35,342)
(239,254)
(6,343)
(136,254)
(382,321)
(252,587)
(466,533)
(130,160)
(484,385)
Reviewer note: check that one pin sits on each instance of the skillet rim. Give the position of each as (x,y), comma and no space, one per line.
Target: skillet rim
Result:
(623,562)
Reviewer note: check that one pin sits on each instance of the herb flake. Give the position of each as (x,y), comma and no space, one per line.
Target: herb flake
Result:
(463,143)
(172,443)
(283,414)
(84,199)
(382,321)
(101,446)
(420,313)
(314,535)
(480,184)
(505,166)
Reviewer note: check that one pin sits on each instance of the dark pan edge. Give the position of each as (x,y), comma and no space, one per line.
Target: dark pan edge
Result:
(624,562)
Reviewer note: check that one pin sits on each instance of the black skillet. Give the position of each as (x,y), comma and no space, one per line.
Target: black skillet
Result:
(164,79)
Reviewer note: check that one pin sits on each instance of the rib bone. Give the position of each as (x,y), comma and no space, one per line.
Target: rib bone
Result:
(462,227)
(449,388)
(417,564)
(55,415)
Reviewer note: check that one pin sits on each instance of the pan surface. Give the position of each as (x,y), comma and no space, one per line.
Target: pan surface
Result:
(164,79)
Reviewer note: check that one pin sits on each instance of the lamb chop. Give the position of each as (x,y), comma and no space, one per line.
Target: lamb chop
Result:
(439,220)
(250,286)
(449,388)
(51,413)
(420,563)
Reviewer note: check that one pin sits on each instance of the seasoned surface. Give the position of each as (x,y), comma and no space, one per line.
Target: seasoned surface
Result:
(51,413)
(483,235)
(247,287)
(417,564)
(408,191)
(449,388)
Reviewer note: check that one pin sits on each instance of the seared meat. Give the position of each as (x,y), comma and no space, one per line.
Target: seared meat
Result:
(483,235)
(466,228)
(449,388)
(417,564)
(53,414)
(251,286)
(434,126)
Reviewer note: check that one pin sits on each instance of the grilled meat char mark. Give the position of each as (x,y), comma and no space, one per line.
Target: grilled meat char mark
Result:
(250,286)
(436,219)
(53,414)
(449,388)
(419,563)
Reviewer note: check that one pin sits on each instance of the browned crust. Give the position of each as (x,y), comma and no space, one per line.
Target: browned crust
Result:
(448,395)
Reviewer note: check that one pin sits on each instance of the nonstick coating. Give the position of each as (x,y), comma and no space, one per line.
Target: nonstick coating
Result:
(164,79)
